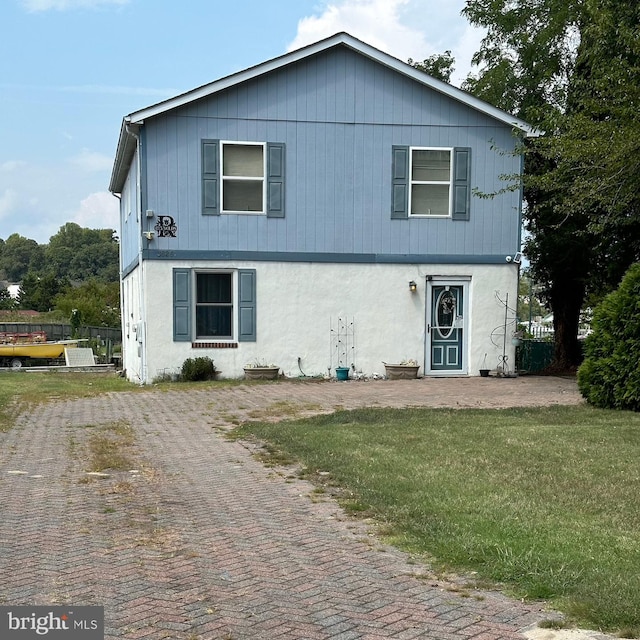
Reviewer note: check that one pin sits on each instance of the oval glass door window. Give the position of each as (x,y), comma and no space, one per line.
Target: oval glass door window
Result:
(446,313)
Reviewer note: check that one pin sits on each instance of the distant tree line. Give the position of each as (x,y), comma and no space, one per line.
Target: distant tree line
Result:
(78,269)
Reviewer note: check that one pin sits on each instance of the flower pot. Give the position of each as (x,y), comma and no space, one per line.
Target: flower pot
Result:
(261,373)
(342,373)
(484,373)
(401,371)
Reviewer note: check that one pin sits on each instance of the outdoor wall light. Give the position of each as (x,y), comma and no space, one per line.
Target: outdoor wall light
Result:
(413,287)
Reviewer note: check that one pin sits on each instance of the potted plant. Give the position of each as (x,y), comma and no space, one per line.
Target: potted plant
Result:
(404,370)
(261,371)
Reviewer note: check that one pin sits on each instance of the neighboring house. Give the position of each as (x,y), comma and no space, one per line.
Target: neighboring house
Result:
(280,214)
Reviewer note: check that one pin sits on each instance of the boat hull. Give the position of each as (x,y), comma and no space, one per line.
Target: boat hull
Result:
(41,350)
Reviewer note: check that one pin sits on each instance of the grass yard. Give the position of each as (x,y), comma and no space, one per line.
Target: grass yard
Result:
(545,502)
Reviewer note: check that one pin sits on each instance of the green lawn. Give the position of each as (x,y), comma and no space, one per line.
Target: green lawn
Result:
(544,501)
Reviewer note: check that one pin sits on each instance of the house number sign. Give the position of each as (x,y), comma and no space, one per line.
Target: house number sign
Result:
(166,227)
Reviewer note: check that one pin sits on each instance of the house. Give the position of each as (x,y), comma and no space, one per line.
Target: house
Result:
(323,208)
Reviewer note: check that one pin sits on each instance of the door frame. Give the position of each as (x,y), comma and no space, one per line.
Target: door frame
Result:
(458,281)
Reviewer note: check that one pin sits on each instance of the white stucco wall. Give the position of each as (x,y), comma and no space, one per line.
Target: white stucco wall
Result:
(132,326)
(299,303)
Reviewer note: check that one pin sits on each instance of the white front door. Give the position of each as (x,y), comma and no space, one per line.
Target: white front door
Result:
(447,333)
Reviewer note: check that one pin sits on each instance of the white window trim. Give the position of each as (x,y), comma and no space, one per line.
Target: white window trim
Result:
(234,306)
(412,182)
(239,178)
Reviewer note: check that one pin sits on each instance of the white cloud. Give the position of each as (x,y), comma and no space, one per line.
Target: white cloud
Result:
(402,28)
(98,211)
(8,202)
(12,165)
(92,161)
(376,22)
(35,6)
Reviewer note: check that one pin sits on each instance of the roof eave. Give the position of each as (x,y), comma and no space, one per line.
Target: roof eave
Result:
(127,144)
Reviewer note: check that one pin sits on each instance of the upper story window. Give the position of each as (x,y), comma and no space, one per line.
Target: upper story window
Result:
(430,182)
(430,171)
(243,177)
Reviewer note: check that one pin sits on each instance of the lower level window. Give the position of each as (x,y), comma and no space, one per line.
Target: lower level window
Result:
(214,305)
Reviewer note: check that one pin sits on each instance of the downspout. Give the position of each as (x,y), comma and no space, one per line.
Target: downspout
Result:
(121,288)
(142,326)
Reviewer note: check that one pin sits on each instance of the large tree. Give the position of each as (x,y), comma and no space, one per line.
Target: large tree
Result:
(18,256)
(38,292)
(80,254)
(569,67)
(98,303)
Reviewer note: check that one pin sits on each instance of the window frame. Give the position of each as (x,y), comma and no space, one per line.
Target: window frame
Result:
(262,179)
(449,183)
(234,305)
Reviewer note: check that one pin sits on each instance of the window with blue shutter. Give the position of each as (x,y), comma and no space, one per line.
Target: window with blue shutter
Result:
(243,177)
(431,182)
(207,302)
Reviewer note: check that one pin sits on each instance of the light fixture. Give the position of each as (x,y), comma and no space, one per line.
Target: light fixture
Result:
(413,287)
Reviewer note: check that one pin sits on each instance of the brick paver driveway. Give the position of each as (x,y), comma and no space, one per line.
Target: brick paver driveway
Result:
(200,541)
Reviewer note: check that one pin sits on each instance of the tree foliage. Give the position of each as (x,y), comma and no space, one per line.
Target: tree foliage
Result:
(609,377)
(38,292)
(80,254)
(7,303)
(570,67)
(88,258)
(18,256)
(98,303)
(439,65)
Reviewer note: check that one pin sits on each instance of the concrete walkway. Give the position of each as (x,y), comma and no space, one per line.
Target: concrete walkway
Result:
(200,541)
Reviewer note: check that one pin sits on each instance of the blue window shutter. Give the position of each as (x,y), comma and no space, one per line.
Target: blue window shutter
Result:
(461,183)
(275,180)
(182,305)
(400,176)
(247,305)
(210,177)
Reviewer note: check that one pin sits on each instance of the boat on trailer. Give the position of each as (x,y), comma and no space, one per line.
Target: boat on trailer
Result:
(16,349)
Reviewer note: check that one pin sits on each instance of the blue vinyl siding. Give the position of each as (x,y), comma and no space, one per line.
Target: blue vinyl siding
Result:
(339,116)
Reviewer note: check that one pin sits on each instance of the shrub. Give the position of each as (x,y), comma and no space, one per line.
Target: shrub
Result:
(195,369)
(610,374)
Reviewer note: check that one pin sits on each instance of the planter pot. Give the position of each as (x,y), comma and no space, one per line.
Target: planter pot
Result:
(484,373)
(261,373)
(401,371)
(342,373)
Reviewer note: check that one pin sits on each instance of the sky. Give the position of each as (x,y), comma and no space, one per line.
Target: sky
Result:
(70,70)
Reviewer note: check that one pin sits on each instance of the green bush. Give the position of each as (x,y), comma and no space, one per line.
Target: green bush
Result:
(610,374)
(195,369)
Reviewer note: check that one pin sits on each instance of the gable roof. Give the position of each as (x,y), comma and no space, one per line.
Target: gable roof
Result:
(131,122)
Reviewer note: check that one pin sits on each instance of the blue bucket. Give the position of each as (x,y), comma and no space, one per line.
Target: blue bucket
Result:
(342,373)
